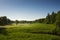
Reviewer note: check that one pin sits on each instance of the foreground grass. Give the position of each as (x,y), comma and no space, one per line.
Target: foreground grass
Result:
(23,32)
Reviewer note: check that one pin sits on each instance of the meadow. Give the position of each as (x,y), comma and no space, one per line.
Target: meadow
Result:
(29,32)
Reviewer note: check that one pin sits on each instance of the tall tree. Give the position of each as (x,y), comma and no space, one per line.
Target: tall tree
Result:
(57,22)
(47,20)
(53,17)
(58,19)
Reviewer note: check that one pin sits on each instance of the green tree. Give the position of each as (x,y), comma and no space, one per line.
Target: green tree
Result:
(4,21)
(47,20)
(58,19)
(40,20)
(17,22)
(56,30)
(53,17)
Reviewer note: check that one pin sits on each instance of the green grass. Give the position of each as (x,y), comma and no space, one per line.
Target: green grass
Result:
(23,32)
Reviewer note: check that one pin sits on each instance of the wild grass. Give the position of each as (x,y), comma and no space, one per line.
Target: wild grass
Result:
(23,32)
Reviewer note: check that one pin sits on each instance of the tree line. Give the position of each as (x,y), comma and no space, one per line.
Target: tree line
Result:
(53,18)
(50,19)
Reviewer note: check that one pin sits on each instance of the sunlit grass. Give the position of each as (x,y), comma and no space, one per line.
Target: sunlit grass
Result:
(23,32)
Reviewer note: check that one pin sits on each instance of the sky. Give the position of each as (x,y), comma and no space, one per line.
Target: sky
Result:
(28,9)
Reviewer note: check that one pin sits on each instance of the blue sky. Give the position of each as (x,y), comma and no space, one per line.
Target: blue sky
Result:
(28,9)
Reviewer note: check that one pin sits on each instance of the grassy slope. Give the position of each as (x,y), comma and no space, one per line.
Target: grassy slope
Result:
(22,32)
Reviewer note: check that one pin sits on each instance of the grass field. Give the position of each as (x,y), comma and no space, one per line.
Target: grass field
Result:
(24,32)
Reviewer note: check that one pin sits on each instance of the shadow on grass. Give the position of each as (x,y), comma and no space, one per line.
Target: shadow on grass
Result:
(51,33)
(3,31)
(55,38)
